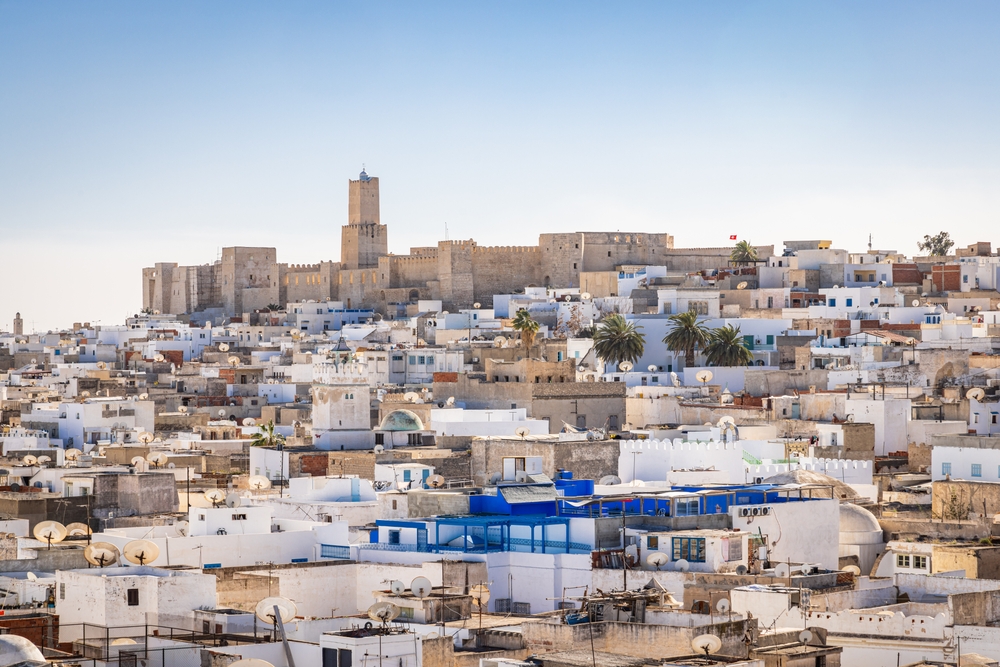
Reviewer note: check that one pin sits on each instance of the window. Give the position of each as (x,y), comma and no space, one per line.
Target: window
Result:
(902,560)
(850,302)
(977,469)
(62,591)
(831,302)
(652,542)
(691,549)
(239,517)
(393,537)
(422,360)
(920,562)
(965,278)
(406,475)
(133,597)
(413,360)
(686,507)
(394,504)
(699,307)
(945,468)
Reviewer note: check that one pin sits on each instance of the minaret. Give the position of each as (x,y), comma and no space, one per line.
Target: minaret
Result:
(18,324)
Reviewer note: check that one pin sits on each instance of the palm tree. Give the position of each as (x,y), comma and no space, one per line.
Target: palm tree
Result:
(743,253)
(687,334)
(617,340)
(727,348)
(527,326)
(266,437)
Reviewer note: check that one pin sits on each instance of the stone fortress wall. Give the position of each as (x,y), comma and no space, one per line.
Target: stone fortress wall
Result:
(459,273)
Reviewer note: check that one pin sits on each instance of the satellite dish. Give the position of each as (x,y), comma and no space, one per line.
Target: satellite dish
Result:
(141,552)
(397,587)
(249,421)
(85,393)
(49,532)
(651,368)
(138,462)
(101,554)
(836,287)
(77,529)
(477,305)
(522,432)
(704,376)
(31,576)
(215,496)
(741,570)
(625,366)
(159,357)
(259,482)
(722,606)
(383,612)
(706,644)
(450,401)
(674,379)
(586,296)
(146,437)
(102,365)
(421,587)
(378,449)
(156,458)
(480,594)
(976,393)
(782,570)
(123,641)
(853,569)
(656,559)
(251,662)
(223,347)
(30,460)
(233,361)
(34,361)
(411,397)
(171,466)
(44,459)
(182,528)
(742,285)
(72,454)
(221,412)
(435,481)
(610,480)
(183,409)
(233,500)
(495,478)
(499,341)
(805,636)
(265,610)
(682,565)
(915,302)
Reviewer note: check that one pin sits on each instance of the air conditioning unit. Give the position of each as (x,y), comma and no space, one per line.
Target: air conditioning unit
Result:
(758,480)
(765,510)
(744,511)
(756,511)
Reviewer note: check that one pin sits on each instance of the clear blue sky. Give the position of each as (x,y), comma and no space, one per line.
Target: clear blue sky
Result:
(136,132)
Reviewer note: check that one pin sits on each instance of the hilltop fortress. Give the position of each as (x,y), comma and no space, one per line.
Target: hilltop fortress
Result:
(459,273)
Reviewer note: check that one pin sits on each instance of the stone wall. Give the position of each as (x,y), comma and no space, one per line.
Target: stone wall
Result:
(585,459)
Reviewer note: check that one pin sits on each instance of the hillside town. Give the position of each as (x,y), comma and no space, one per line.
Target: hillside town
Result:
(601,449)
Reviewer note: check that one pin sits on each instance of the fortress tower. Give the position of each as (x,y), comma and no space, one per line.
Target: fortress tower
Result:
(363,239)
(18,324)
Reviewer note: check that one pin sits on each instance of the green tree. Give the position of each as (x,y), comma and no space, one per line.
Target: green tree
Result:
(727,348)
(526,326)
(686,335)
(272,307)
(937,245)
(266,437)
(617,340)
(743,253)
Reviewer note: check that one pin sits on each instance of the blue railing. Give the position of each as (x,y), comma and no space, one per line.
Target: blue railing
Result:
(334,551)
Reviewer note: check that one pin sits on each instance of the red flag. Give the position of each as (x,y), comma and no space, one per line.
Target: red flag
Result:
(733,237)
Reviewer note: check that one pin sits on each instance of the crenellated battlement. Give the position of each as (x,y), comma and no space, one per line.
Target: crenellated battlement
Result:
(508,249)
(677,445)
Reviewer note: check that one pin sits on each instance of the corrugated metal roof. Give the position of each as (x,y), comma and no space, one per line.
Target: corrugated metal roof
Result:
(527,494)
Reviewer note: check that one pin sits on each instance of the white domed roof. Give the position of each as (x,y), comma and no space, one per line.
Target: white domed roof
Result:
(854,519)
(15,650)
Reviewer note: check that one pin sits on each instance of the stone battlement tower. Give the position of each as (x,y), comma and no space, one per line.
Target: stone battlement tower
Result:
(364,238)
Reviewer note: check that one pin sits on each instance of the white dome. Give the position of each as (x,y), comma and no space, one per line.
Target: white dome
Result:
(854,519)
(15,650)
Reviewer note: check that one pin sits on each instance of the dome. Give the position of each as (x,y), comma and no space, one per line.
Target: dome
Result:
(854,519)
(364,176)
(401,420)
(15,650)
(799,476)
